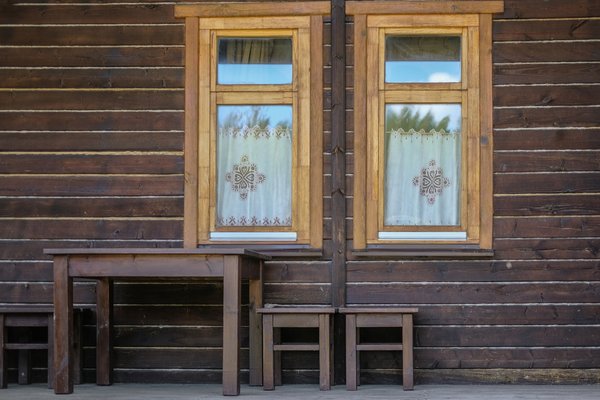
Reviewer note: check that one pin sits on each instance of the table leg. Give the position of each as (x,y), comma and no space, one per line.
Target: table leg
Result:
(104,307)
(63,326)
(407,352)
(255,329)
(3,360)
(232,293)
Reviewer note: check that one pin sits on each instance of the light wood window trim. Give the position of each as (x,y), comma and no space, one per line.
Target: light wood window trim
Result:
(372,19)
(304,19)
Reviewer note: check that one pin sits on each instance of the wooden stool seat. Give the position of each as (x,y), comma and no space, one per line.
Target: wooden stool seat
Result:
(296,317)
(378,317)
(30,317)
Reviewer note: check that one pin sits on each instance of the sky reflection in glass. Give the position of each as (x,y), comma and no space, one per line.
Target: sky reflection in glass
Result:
(254,61)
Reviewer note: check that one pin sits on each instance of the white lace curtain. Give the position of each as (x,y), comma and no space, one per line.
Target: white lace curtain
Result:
(422,178)
(254,170)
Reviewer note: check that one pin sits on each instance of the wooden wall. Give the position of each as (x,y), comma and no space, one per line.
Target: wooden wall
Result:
(91,140)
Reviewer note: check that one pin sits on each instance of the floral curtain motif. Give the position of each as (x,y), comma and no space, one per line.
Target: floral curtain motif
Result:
(431,182)
(254,166)
(419,196)
(244,177)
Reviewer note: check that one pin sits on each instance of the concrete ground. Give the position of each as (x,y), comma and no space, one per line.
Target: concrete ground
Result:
(305,392)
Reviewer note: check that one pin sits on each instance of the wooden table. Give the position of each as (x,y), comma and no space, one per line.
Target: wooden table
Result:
(105,265)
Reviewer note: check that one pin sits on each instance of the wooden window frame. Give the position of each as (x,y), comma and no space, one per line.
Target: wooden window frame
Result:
(303,21)
(472,20)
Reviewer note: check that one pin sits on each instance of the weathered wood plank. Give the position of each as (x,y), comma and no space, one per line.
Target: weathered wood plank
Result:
(545,73)
(92,121)
(580,204)
(547,139)
(286,272)
(167,56)
(93,13)
(31,249)
(547,227)
(92,78)
(102,185)
(506,52)
(61,35)
(297,294)
(546,117)
(92,100)
(473,271)
(546,96)
(41,293)
(92,141)
(542,335)
(91,164)
(585,248)
(92,207)
(546,183)
(501,376)
(479,293)
(90,229)
(549,8)
(563,29)
(551,161)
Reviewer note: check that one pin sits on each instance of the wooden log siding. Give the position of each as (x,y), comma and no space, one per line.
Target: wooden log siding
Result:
(91,144)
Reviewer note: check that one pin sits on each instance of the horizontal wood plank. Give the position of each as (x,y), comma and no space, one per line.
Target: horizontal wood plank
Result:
(92,141)
(549,8)
(551,161)
(479,293)
(91,78)
(65,35)
(547,227)
(92,121)
(581,204)
(546,117)
(109,99)
(99,185)
(91,164)
(90,229)
(563,29)
(475,271)
(547,139)
(92,207)
(507,96)
(554,183)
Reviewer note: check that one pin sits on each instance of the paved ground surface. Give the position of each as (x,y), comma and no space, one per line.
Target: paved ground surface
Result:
(305,392)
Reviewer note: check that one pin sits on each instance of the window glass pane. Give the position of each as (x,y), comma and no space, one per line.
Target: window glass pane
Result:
(255,61)
(422,59)
(254,165)
(422,164)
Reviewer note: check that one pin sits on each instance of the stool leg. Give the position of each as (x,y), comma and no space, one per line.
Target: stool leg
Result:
(351,353)
(268,378)
(324,352)
(278,379)
(51,351)
(407,352)
(3,368)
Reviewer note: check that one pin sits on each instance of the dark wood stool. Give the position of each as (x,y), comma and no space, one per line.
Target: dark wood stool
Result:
(296,317)
(378,317)
(32,317)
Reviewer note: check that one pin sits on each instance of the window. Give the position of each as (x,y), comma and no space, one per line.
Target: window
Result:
(422,115)
(253,141)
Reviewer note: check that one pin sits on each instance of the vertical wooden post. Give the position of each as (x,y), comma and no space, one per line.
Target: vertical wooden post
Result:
(104,289)
(338,173)
(63,326)
(407,352)
(3,368)
(232,292)
(255,327)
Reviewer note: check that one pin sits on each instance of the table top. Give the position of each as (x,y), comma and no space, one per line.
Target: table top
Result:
(224,251)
